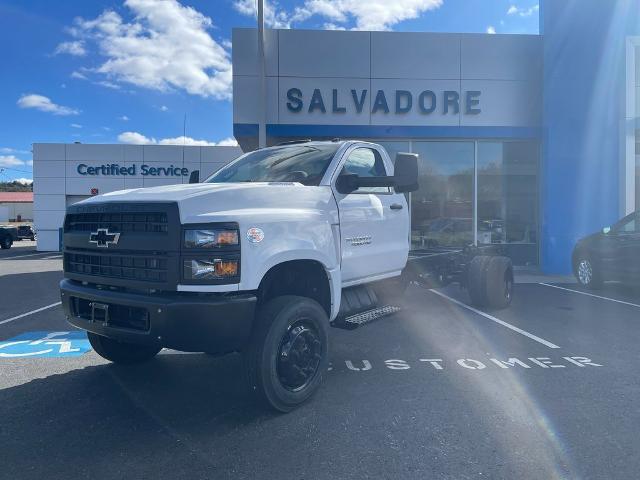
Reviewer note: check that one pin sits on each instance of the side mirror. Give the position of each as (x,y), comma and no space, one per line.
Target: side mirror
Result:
(347,183)
(606,230)
(194,177)
(405,172)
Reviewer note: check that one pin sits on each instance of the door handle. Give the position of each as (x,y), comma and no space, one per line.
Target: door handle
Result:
(396,206)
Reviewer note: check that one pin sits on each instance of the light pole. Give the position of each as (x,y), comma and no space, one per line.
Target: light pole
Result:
(262,110)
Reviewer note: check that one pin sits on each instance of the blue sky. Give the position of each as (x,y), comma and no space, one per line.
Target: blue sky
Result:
(128,71)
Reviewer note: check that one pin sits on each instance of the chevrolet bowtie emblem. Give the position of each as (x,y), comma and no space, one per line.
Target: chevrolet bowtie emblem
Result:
(102,237)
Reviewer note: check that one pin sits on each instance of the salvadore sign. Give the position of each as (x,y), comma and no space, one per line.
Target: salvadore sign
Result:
(397,102)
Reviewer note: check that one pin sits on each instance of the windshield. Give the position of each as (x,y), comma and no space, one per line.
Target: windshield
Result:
(288,163)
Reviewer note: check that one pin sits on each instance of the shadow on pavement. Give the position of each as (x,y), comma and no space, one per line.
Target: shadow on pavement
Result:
(102,421)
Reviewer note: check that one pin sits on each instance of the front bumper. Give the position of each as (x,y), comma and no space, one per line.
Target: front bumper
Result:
(187,322)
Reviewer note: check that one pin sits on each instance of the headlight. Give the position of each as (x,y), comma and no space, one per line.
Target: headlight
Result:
(210,237)
(210,269)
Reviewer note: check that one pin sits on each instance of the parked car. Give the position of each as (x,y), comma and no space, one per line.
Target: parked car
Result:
(8,235)
(26,232)
(612,254)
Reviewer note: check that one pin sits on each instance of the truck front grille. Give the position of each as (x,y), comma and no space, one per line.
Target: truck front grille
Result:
(141,222)
(142,268)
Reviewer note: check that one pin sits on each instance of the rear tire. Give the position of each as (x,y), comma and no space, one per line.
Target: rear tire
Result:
(121,352)
(6,242)
(587,274)
(288,352)
(490,281)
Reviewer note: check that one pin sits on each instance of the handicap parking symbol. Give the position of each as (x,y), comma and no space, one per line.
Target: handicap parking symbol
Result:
(45,344)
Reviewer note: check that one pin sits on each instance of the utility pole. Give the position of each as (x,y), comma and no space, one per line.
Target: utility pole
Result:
(262,110)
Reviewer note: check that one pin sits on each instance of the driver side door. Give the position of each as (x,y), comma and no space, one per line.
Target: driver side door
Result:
(374,221)
(625,249)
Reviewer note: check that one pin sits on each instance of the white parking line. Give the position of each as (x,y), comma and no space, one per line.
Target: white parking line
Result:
(591,295)
(30,313)
(51,254)
(497,320)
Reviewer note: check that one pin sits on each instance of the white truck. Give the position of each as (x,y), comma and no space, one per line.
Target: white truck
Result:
(260,258)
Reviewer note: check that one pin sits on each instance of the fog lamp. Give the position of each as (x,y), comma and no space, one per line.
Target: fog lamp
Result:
(209,269)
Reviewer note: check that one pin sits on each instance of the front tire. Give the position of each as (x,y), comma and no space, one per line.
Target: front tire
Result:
(288,352)
(587,274)
(6,243)
(121,352)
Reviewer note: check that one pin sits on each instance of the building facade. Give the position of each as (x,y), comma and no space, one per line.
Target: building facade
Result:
(16,206)
(528,141)
(67,173)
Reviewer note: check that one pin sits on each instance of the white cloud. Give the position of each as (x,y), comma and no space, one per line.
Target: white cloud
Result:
(107,84)
(523,12)
(135,138)
(23,181)
(44,104)
(274,17)
(10,161)
(75,48)
(12,150)
(164,108)
(228,142)
(78,75)
(491,30)
(369,15)
(124,118)
(76,125)
(165,46)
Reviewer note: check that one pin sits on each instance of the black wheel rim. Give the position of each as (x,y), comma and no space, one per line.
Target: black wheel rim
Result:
(299,356)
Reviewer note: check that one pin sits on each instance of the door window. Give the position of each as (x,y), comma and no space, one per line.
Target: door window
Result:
(366,162)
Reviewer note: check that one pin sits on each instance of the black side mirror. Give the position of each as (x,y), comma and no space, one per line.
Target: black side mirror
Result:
(194,177)
(347,183)
(405,172)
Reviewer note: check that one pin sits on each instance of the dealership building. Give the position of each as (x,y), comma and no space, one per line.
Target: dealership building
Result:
(529,141)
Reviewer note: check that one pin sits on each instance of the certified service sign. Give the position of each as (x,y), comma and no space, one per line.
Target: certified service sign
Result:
(255,235)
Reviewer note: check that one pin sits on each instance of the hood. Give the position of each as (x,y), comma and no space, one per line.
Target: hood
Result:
(209,202)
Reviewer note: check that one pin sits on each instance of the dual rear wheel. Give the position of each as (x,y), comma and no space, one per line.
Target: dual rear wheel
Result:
(490,281)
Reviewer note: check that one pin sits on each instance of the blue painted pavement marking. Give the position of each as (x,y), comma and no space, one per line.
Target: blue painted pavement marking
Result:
(45,344)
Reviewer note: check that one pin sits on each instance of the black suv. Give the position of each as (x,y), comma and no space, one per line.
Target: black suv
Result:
(26,232)
(612,254)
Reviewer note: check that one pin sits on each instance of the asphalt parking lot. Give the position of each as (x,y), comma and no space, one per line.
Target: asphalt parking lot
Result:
(546,389)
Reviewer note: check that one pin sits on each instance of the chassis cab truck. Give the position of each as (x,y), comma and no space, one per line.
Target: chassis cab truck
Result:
(260,258)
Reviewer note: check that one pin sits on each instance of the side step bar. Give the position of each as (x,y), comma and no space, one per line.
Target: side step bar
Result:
(359,319)
(360,305)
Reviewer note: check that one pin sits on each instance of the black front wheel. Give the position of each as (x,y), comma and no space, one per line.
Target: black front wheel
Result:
(6,243)
(288,352)
(121,352)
